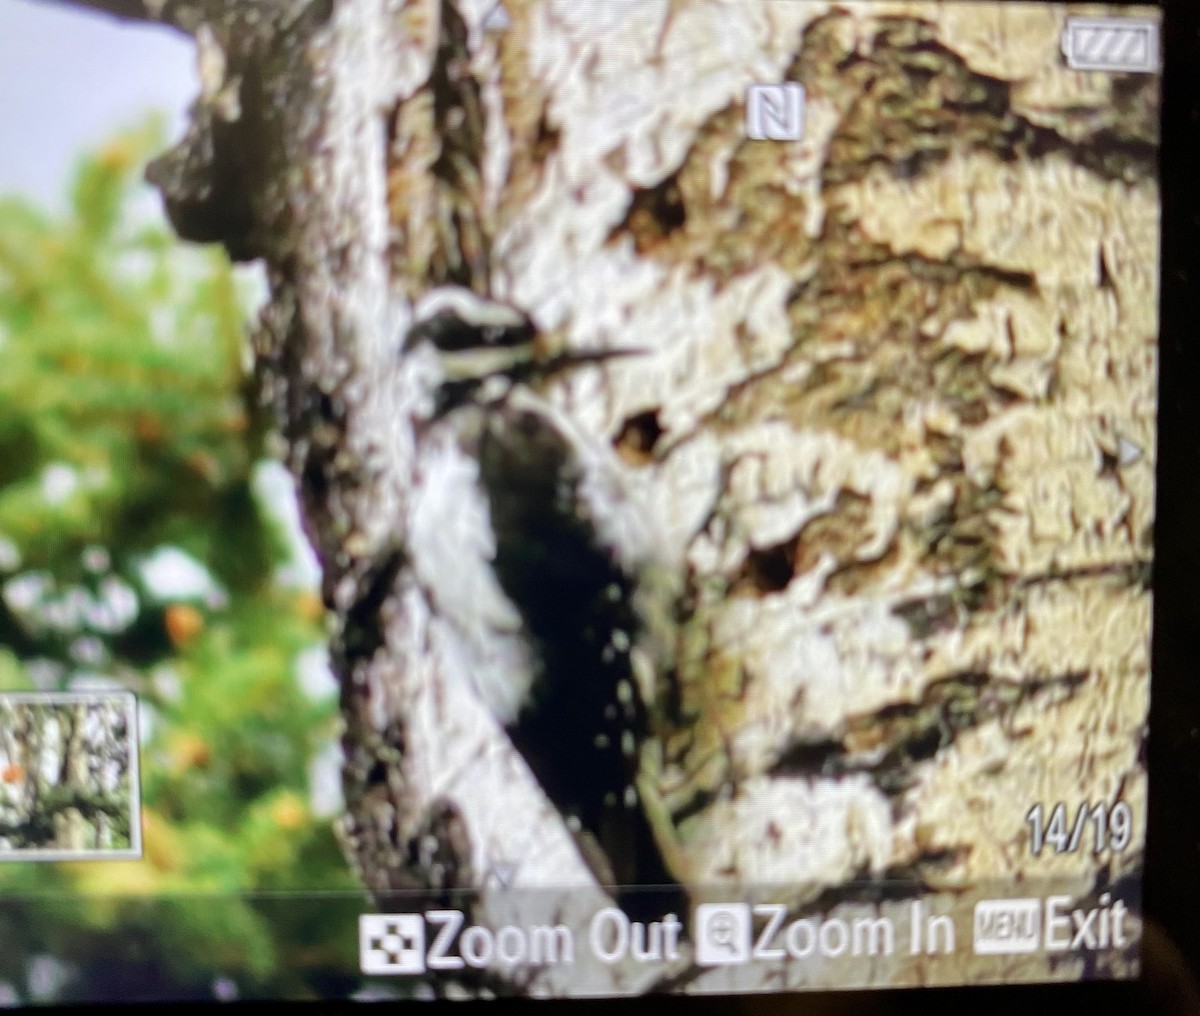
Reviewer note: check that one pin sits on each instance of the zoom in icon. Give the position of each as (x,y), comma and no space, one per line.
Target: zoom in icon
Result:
(722,934)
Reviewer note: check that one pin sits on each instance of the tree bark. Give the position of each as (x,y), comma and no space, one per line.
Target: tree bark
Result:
(894,421)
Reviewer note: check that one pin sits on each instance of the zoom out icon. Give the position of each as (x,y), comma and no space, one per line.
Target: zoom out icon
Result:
(722,934)
(391,943)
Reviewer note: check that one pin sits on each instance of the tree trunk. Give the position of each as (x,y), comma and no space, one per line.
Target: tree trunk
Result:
(893,423)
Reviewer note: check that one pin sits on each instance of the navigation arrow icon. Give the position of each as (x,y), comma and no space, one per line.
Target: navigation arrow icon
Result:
(504,872)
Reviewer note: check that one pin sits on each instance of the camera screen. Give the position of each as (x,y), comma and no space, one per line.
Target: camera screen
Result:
(663,502)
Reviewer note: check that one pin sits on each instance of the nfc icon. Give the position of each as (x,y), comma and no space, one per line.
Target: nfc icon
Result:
(391,943)
(775,112)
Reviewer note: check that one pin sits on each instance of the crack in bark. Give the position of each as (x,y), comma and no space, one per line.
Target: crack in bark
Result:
(435,151)
(890,743)
(854,283)
(362,632)
(928,616)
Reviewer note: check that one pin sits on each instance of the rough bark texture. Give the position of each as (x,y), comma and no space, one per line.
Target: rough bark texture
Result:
(894,424)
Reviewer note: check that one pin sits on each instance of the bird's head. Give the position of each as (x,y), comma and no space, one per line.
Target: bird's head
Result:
(483,347)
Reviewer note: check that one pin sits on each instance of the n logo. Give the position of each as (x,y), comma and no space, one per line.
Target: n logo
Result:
(775,112)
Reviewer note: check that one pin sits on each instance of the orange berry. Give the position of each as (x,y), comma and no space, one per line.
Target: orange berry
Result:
(184,622)
(147,428)
(189,751)
(115,156)
(289,812)
(204,465)
(162,845)
(310,606)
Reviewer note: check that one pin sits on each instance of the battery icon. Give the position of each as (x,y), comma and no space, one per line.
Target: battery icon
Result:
(1124,45)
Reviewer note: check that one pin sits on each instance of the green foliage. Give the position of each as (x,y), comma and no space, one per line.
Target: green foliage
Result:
(126,429)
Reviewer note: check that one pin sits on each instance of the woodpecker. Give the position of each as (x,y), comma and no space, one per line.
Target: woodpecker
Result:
(562,582)
(484,348)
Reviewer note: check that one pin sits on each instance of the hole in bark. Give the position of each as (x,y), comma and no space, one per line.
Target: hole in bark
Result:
(770,569)
(545,142)
(313,480)
(363,630)
(1102,271)
(638,436)
(654,214)
(926,744)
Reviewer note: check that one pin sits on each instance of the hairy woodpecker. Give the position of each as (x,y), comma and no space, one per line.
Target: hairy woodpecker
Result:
(484,348)
(565,583)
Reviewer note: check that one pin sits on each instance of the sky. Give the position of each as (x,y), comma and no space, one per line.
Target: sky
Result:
(69,79)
